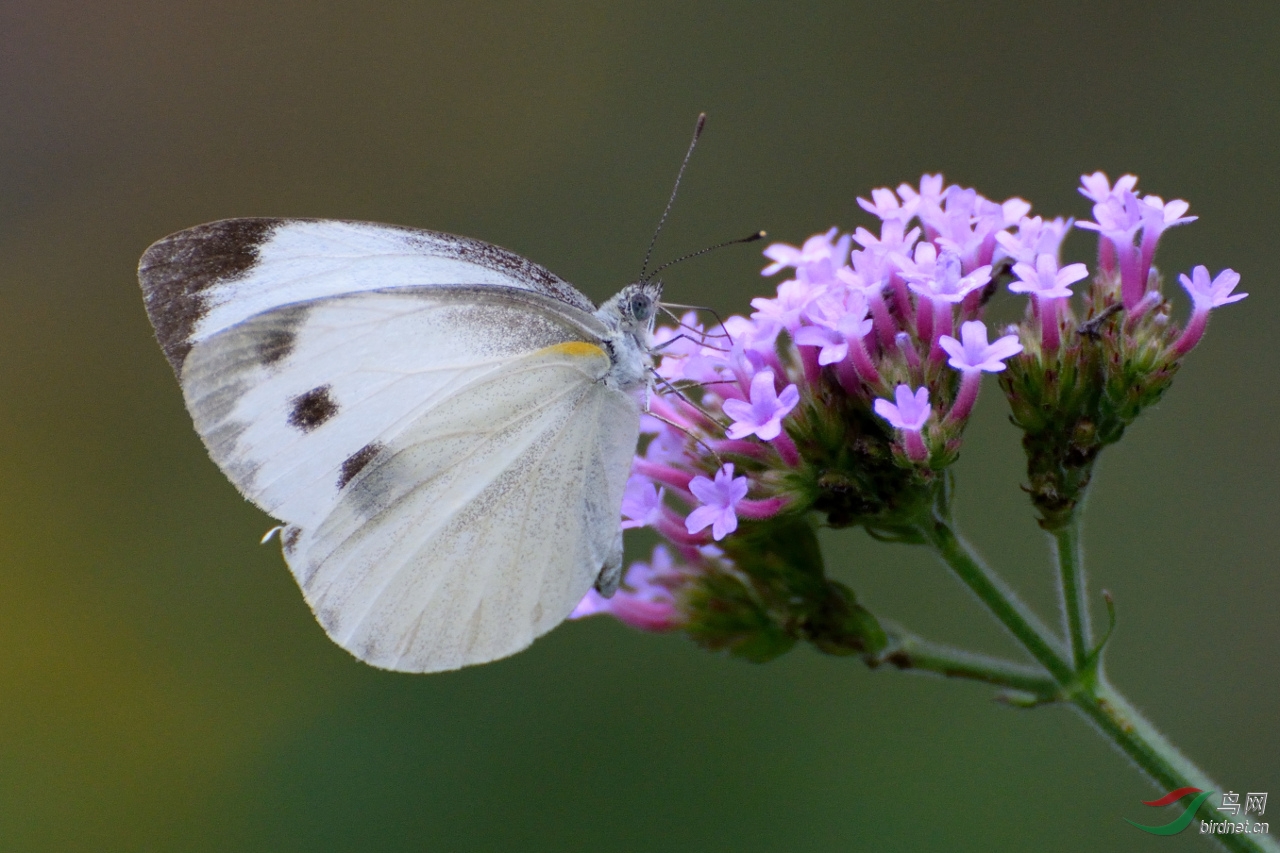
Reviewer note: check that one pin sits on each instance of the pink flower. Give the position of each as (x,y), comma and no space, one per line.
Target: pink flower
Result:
(834,326)
(1050,286)
(719,500)
(938,276)
(773,315)
(885,205)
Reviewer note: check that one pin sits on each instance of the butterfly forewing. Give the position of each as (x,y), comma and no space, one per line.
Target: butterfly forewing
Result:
(201,281)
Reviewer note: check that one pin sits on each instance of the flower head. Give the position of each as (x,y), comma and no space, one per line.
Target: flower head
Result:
(762,416)
(975,354)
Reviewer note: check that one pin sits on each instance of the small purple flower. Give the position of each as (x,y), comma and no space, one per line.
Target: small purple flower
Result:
(1205,296)
(975,354)
(893,237)
(909,414)
(942,283)
(1211,294)
(911,411)
(815,262)
(1045,280)
(834,326)
(972,358)
(1118,219)
(885,205)
(641,503)
(1035,237)
(1051,287)
(1097,187)
(719,499)
(774,315)
(763,416)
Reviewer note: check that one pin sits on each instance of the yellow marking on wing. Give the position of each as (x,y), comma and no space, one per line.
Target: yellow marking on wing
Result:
(578,349)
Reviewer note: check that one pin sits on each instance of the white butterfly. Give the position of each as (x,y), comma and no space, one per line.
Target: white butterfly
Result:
(444,427)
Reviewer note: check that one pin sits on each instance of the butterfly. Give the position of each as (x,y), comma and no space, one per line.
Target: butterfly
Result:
(444,428)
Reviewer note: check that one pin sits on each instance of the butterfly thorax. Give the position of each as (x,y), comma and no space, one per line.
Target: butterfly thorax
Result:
(629,316)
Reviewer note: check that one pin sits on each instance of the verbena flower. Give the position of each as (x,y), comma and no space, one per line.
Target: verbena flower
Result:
(720,498)
(762,416)
(1205,296)
(973,356)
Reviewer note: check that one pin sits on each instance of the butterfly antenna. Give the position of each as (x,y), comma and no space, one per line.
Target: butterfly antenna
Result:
(667,383)
(750,238)
(689,433)
(697,131)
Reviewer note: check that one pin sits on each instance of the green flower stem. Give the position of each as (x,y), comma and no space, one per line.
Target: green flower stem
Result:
(999,598)
(907,651)
(1161,760)
(1086,688)
(1075,603)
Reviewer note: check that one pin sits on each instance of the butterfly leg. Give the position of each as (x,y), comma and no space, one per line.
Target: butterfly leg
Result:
(611,573)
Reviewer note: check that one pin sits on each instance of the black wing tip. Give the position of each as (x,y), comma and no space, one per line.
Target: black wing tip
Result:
(175,271)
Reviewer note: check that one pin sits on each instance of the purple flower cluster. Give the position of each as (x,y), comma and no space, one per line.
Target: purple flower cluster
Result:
(854,369)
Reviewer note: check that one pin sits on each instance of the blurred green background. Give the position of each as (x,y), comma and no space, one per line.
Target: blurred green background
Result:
(163,685)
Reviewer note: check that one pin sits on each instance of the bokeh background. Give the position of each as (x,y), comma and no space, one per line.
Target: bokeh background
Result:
(164,687)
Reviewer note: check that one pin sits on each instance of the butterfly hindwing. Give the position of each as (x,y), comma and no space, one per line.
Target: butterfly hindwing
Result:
(481,526)
(447,460)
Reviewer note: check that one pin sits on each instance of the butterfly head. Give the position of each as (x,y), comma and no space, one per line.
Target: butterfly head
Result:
(633,309)
(629,315)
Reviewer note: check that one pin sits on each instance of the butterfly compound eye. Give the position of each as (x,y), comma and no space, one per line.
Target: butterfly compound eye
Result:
(641,306)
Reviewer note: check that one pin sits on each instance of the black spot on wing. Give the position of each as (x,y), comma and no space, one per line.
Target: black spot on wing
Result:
(312,409)
(176,271)
(356,462)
